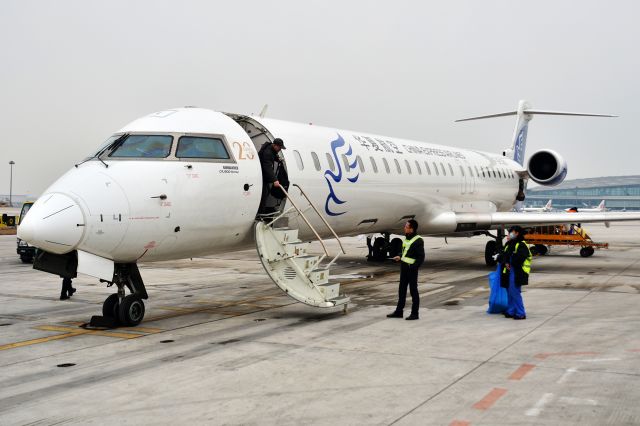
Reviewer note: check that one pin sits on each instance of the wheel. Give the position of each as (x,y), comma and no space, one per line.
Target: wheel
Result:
(110,306)
(378,249)
(490,249)
(541,249)
(395,247)
(131,310)
(586,251)
(26,259)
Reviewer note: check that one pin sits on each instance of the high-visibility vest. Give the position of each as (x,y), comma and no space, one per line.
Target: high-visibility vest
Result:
(406,244)
(526,265)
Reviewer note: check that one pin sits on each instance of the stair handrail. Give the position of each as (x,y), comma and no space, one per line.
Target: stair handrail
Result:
(304,194)
(324,247)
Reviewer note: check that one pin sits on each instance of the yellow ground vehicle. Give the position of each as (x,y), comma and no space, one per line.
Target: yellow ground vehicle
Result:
(541,237)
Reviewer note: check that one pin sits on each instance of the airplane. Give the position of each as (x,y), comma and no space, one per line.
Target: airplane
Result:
(547,208)
(187,182)
(600,208)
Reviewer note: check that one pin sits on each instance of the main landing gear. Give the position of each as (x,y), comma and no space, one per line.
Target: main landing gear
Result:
(119,308)
(383,248)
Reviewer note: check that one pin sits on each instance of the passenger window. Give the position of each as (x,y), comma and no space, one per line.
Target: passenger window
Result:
(406,162)
(199,147)
(426,165)
(298,160)
(332,166)
(483,172)
(345,162)
(470,171)
(360,164)
(444,172)
(316,160)
(461,171)
(435,167)
(451,169)
(144,146)
(386,165)
(418,167)
(494,173)
(398,166)
(374,165)
(477,174)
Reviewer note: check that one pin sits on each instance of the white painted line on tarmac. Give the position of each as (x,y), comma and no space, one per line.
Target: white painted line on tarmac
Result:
(599,360)
(438,290)
(566,375)
(537,409)
(578,401)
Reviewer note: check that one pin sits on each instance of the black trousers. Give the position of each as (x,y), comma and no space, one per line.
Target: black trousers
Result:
(408,277)
(66,286)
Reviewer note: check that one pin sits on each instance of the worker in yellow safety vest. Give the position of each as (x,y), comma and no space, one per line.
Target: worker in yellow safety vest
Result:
(410,260)
(516,266)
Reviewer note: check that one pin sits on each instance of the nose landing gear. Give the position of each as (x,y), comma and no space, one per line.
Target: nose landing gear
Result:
(119,308)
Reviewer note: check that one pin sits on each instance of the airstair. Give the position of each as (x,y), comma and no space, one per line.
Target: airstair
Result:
(287,261)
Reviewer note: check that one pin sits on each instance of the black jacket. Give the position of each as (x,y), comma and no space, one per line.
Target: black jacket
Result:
(515,259)
(268,159)
(416,251)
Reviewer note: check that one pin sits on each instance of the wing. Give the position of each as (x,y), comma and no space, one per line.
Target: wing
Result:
(471,221)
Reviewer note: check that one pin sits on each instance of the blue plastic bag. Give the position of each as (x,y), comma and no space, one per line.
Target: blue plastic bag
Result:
(498,301)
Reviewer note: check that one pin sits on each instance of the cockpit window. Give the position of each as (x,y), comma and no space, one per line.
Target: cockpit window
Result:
(143,146)
(199,147)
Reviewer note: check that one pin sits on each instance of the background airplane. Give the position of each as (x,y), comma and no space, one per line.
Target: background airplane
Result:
(187,182)
(600,208)
(547,208)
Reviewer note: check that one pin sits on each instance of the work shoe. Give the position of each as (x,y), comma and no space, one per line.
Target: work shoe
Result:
(412,317)
(73,290)
(519,318)
(506,315)
(395,314)
(63,296)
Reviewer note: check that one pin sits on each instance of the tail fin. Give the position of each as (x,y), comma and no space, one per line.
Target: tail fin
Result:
(601,205)
(548,205)
(525,114)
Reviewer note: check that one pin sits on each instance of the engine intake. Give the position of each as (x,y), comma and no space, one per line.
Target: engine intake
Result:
(547,167)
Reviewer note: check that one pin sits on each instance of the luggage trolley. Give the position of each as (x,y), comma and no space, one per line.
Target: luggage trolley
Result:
(540,238)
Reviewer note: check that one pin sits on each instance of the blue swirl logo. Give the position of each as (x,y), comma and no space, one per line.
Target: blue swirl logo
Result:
(335,178)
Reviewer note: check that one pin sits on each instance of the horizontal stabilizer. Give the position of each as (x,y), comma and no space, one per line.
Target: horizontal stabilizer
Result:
(535,112)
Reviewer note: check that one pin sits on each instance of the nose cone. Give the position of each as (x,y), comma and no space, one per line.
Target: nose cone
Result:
(55,224)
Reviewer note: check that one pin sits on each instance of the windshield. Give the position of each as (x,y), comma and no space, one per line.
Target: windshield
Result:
(25,209)
(143,146)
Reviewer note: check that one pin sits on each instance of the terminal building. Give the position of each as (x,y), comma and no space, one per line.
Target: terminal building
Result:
(619,192)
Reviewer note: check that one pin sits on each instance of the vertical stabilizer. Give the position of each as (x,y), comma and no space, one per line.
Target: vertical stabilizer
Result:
(519,143)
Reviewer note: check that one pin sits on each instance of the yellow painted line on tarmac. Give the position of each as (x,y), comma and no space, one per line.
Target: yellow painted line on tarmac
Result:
(104,333)
(40,340)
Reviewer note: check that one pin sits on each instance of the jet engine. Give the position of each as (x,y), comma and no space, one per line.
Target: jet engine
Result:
(547,167)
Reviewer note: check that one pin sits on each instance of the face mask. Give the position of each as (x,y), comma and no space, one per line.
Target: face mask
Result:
(512,236)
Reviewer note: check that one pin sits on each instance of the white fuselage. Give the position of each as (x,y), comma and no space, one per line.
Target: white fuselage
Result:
(170,208)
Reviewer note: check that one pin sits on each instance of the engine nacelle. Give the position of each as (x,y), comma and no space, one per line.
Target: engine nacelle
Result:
(547,167)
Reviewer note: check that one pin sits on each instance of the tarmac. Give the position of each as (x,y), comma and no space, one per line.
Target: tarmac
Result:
(221,344)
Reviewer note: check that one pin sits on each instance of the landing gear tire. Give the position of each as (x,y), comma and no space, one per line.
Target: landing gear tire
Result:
(490,250)
(378,252)
(26,259)
(395,247)
(541,249)
(131,310)
(110,306)
(586,251)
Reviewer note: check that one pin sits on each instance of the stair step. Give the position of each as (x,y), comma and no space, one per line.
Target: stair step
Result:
(297,248)
(340,300)
(330,290)
(286,235)
(319,276)
(306,262)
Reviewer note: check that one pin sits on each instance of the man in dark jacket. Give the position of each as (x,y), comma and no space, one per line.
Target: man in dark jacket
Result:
(269,161)
(515,259)
(411,259)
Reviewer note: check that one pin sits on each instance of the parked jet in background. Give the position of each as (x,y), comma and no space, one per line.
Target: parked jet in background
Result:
(547,208)
(600,208)
(187,182)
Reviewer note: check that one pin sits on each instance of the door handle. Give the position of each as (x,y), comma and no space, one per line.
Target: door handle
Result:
(161,196)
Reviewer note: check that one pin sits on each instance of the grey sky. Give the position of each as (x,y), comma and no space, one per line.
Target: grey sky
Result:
(72,72)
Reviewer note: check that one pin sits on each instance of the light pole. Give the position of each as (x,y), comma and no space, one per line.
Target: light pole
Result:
(11,163)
